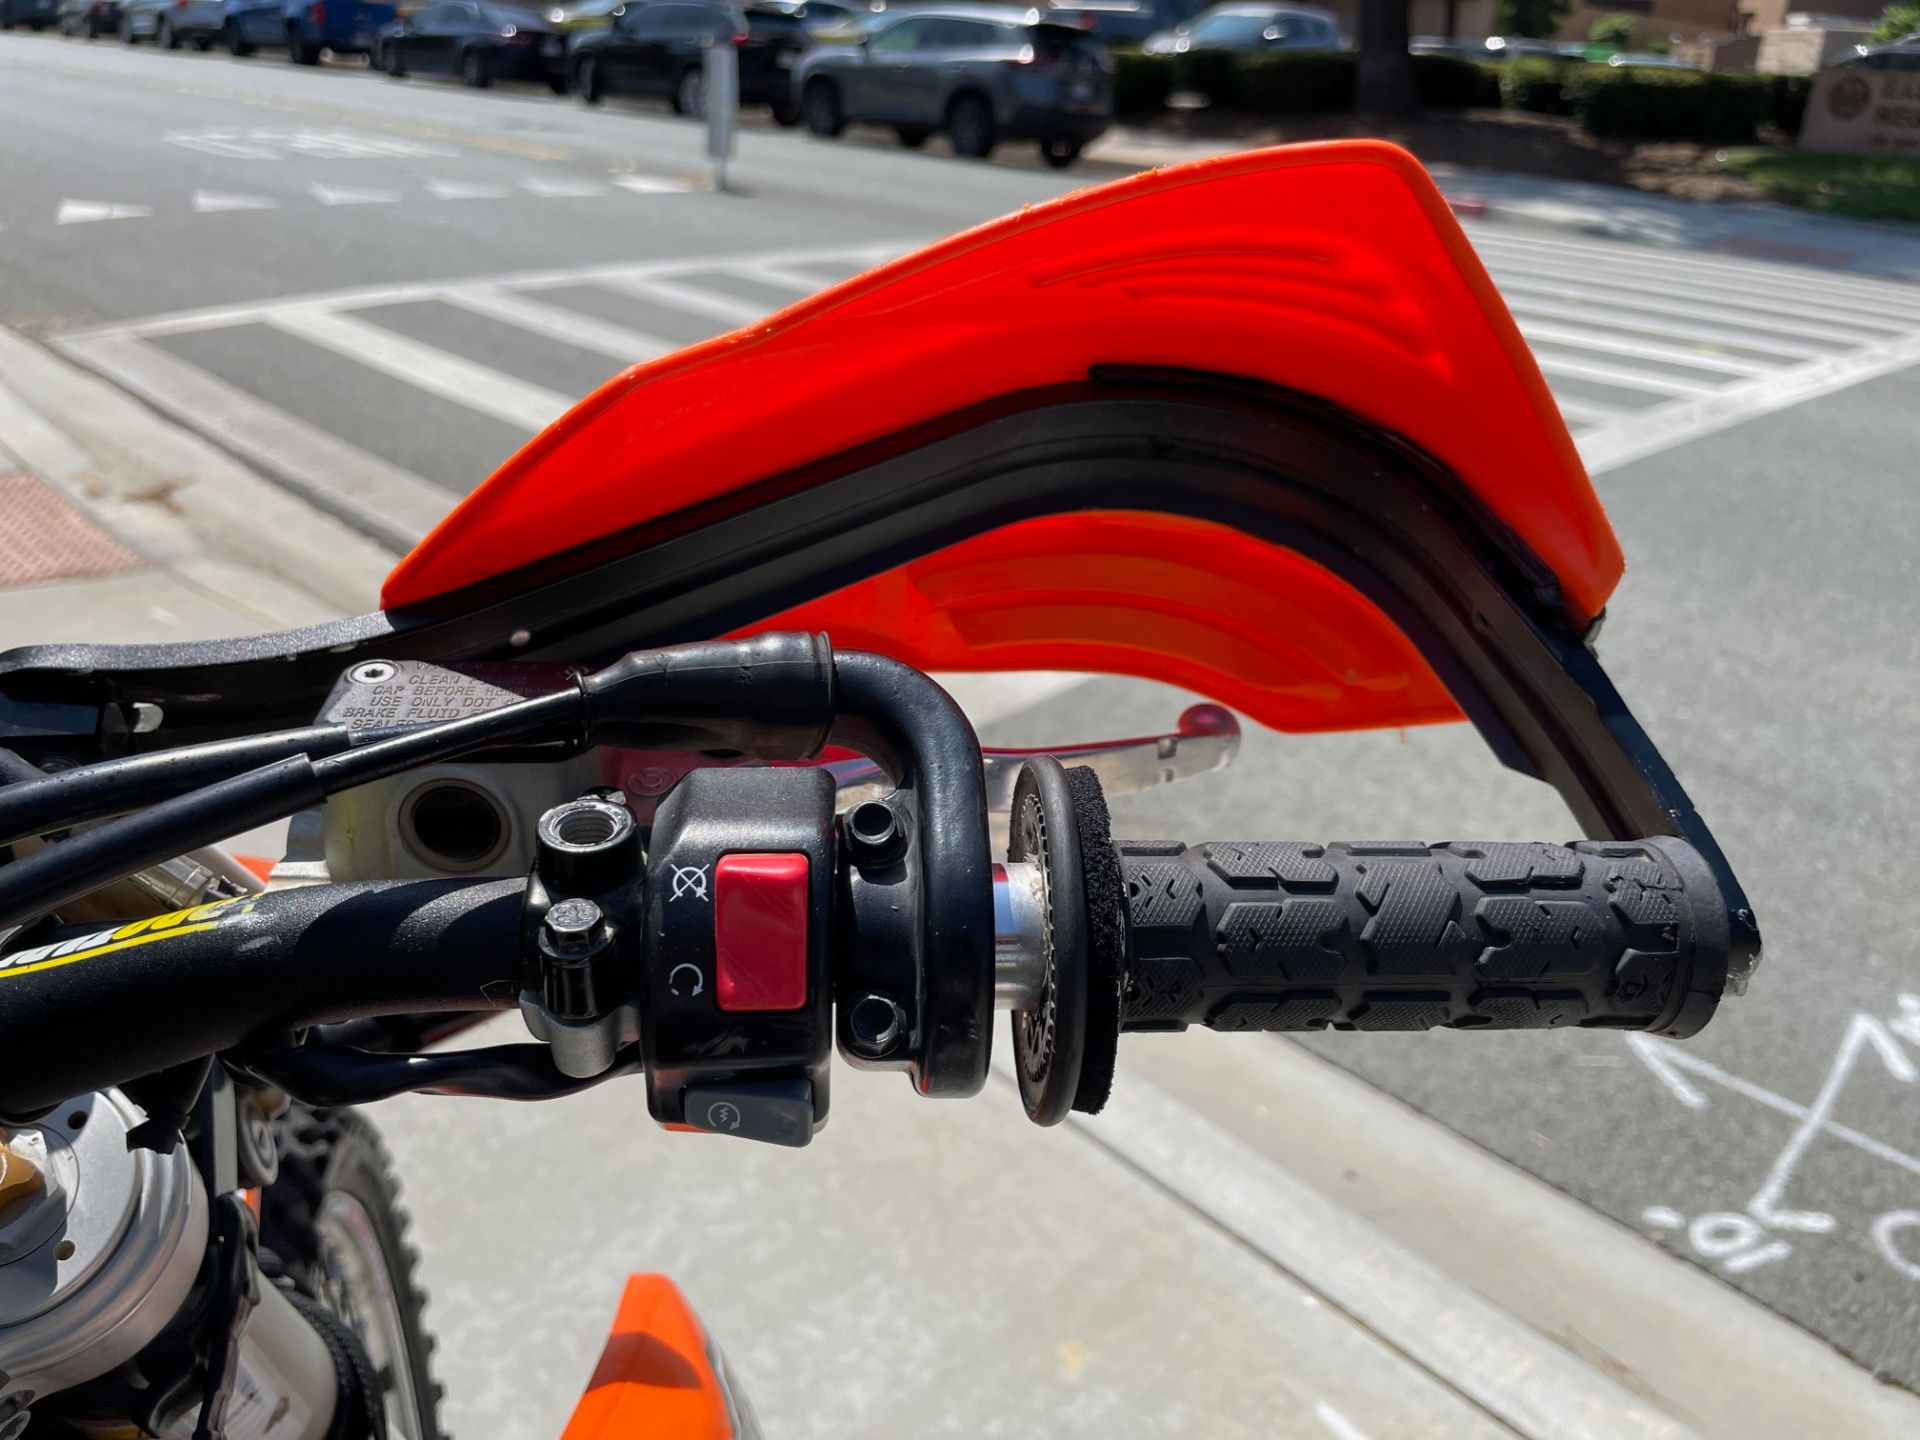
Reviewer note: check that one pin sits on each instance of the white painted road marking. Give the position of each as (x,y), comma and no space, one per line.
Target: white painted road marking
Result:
(1341,1427)
(352,195)
(463,381)
(1639,355)
(463,190)
(206,202)
(82,212)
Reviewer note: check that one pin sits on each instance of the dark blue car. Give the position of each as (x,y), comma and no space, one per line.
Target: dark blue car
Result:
(305,27)
(37,14)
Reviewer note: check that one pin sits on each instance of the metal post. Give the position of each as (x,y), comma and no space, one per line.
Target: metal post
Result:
(722,70)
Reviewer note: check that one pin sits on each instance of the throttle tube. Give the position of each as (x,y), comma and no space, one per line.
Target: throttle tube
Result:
(1283,935)
(92,1007)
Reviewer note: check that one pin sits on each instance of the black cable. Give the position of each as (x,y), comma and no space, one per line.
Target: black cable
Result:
(60,874)
(33,802)
(333,1075)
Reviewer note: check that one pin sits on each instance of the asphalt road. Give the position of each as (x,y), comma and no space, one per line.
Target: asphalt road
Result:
(374,291)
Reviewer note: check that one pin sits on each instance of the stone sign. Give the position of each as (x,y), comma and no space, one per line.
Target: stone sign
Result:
(1854,110)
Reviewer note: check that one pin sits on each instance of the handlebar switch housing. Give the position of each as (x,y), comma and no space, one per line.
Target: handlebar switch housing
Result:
(737,998)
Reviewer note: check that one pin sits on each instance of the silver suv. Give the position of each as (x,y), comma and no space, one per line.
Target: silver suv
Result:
(981,73)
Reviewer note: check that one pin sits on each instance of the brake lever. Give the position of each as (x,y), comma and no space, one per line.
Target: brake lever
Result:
(1205,738)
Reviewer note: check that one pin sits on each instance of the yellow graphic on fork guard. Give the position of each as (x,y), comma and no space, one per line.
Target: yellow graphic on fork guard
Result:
(125,937)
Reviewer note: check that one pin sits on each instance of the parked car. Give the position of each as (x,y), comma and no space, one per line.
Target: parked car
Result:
(34,14)
(305,28)
(172,23)
(658,49)
(479,43)
(572,15)
(91,18)
(1447,45)
(823,15)
(981,73)
(1241,26)
(1901,54)
(1124,22)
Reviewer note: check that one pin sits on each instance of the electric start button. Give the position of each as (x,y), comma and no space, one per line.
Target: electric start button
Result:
(760,932)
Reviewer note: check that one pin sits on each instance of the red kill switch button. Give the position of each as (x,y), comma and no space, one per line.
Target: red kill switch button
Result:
(760,932)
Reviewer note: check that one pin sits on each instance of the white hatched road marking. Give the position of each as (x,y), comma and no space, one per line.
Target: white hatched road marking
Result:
(1644,349)
(676,296)
(352,195)
(464,190)
(439,371)
(570,326)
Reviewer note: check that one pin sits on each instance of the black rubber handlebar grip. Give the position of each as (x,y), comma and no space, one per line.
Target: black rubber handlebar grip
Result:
(1280,935)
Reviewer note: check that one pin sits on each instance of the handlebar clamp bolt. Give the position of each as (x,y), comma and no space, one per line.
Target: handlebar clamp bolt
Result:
(875,1025)
(874,834)
(573,927)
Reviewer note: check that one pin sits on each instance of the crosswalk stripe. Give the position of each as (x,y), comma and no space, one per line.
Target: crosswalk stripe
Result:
(351,195)
(1675,423)
(1587,412)
(1525,307)
(1883,316)
(1635,299)
(437,371)
(1777,279)
(550,320)
(1578,337)
(783,278)
(678,296)
(390,503)
(1654,383)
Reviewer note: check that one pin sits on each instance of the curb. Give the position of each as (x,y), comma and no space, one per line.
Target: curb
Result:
(181,503)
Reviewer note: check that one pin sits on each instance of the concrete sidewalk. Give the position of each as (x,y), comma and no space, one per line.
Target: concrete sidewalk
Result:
(1755,230)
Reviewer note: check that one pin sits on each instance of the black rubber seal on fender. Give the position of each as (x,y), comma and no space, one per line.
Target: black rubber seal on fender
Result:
(1106,939)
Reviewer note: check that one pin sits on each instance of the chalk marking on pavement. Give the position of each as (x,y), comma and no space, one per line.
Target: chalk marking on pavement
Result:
(1635,300)
(392,504)
(84,212)
(1665,426)
(1341,1427)
(556,323)
(219,317)
(1486,1355)
(1654,382)
(349,195)
(465,382)
(1740,1241)
(694,300)
(1778,279)
(208,202)
(1580,338)
(463,190)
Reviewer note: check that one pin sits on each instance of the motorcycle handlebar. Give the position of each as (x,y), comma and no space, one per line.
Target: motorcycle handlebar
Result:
(1371,935)
(1235,936)
(101,1006)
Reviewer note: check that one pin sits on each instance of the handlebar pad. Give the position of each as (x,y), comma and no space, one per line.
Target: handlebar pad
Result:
(1280,935)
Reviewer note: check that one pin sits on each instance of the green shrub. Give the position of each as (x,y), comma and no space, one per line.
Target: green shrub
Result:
(1305,82)
(1451,82)
(1669,104)
(1614,30)
(1896,23)
(1141,84)
(1787,101)
(1535,83)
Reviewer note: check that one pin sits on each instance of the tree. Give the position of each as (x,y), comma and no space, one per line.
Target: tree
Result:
(1615,29)
(1534,19)
(1896,23)
(1383,75)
